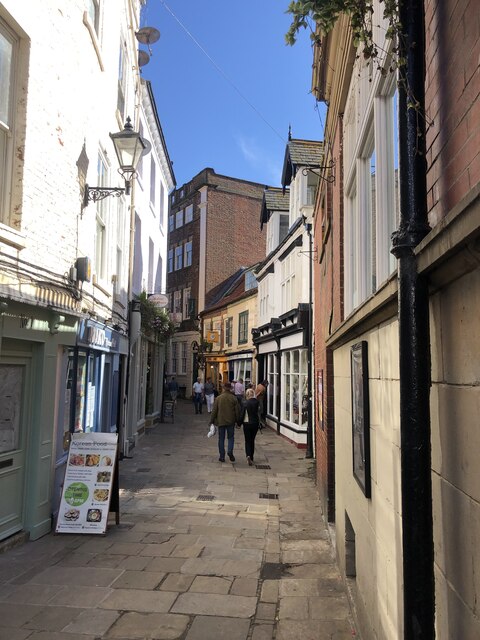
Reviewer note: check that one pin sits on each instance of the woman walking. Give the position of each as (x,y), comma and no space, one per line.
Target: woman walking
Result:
(251,422)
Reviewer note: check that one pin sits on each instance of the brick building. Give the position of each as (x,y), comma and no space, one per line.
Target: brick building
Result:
(213,231)
(360,348)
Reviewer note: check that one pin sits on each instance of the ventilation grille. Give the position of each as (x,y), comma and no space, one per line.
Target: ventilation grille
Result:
(262,466)
(268,496)
(206,498)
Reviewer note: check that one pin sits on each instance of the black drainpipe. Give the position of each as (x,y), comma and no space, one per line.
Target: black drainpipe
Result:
(414,336)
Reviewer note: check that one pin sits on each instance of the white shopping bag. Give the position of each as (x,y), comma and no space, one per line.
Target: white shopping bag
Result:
(212,431)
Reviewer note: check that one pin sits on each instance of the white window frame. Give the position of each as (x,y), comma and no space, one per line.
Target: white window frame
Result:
(7,126)
(178,257)
(177,301)
(102,219)
(123,66)
(179,219)
(272,389)
(243,327)
(288,294)
(188,213)
(174,357)
(153,181)
(183,358)
(186,300)
(371,197)
(187,262)
(294,386)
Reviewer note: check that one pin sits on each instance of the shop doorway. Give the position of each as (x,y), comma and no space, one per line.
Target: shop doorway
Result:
(14,425)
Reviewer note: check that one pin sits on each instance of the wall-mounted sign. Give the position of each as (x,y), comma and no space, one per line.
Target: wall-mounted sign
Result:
(213,336)
(159,299)
(87,488)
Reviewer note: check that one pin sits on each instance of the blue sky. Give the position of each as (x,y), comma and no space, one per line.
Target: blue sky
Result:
(241,130)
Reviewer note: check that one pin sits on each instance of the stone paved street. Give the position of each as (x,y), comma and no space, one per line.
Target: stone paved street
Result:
(199,554)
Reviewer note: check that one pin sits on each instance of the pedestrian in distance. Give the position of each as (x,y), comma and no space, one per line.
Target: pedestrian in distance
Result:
(261,396)
(239,390)
(198,395)
(251,423)
(209,391)
(226,413)
(173,389)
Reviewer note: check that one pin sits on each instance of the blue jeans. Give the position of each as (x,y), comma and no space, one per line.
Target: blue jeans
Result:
(197,401)
(229,429)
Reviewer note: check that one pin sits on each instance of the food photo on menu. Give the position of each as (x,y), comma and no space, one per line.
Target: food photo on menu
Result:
(77,460)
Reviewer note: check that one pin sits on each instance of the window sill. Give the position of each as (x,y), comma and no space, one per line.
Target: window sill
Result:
(94,38)
(10,236)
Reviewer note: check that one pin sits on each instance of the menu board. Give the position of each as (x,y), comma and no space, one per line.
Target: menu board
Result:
(87,488)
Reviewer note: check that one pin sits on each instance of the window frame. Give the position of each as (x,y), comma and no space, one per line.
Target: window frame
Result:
(7,128)
(187,262)
(243,327)
(188,214)
(178,257)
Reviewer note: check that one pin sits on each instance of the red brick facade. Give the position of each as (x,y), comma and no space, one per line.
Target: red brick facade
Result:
(452,103)
(233,236)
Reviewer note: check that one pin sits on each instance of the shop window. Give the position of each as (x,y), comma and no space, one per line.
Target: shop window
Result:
(273,386)
(294,385)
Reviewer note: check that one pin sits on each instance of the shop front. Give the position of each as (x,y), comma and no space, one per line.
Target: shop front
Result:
(90,384)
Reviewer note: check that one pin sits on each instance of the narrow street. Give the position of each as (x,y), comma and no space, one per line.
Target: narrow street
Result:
(200,553)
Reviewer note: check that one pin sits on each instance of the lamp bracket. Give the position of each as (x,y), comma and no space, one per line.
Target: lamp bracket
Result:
(321,170)
(95,194)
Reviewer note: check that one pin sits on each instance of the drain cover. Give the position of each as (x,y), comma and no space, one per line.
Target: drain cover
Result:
(206,498)
(263,466)
(268,496)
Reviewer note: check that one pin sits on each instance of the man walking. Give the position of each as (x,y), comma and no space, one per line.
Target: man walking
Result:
(198,395)
(173,389)
(226,413)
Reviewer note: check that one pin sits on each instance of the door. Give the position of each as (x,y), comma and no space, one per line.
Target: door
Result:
(14,375)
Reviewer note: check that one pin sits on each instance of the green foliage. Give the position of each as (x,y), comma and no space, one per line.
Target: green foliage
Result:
(307,14)
(154,320)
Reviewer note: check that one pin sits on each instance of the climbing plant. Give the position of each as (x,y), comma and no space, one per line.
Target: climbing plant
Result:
(308,14)
(155,321)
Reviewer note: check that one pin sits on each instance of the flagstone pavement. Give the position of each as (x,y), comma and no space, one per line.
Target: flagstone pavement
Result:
(200,553)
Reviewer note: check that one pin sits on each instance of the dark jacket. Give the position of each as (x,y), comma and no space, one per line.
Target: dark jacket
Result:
(251,412)
(226,410)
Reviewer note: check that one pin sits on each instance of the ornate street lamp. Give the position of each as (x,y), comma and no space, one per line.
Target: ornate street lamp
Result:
(129,147)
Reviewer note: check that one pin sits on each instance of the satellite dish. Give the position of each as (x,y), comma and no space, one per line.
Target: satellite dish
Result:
(147,35)
(143,58)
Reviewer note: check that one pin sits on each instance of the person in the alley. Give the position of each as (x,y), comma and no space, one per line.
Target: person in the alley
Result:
(226,413)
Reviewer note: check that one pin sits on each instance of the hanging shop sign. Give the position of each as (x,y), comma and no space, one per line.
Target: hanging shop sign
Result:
(98,336)
(88,485)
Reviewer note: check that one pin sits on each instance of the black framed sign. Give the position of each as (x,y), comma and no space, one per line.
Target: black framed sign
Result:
(360,416)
